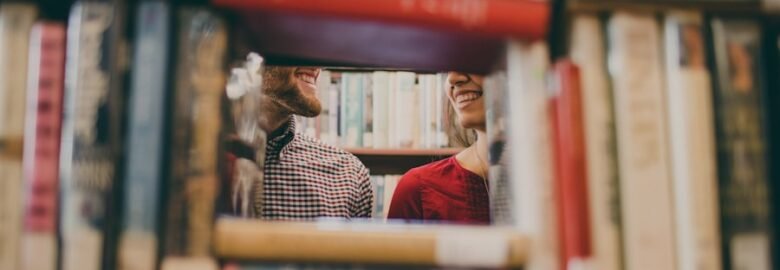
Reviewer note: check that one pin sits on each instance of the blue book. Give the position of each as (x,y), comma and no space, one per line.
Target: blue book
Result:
(145,142)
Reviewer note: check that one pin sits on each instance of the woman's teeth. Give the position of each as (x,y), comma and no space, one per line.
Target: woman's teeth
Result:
(307,78)
(467,97)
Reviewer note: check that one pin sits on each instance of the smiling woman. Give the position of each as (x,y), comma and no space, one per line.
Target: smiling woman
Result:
(454,189)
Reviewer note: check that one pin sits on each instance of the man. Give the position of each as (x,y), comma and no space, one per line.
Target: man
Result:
(304,178)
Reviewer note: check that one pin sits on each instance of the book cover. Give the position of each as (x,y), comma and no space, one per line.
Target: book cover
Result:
(334,92)
(570,165)
(352,109)
(144,155)
(532,164)
(45,78)
(381,110)
(588,52)
(323,93)
(522,19)
(16,20)
(646,197)
(368,110)
(772,67)
(741,144)
(91,136)
(192,183)
(404,109)
(692,143)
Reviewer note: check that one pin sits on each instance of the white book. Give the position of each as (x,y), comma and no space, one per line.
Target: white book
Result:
(531,149)
(323,93)
(16,21)
(381,88)
(691,137)
(441,102)
(432,93)
(588,52)
(405,110)
(645,184)
(367,111)
(392,111)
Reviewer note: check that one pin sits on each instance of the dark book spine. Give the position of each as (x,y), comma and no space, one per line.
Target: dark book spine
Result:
(145,142)
(741,143)
(42,145)
(91,136)
(772,111)
(201,40)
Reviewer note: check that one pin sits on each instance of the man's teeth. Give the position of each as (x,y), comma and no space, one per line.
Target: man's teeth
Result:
(307,78)
(467,97)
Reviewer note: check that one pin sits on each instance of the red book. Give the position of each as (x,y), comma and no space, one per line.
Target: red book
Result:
(570,167)
(42,144)
(517,18)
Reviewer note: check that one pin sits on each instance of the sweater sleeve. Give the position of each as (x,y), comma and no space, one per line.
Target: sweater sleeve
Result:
(407,198)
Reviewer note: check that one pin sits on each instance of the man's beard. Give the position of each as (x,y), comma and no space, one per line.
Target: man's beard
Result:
(279,87)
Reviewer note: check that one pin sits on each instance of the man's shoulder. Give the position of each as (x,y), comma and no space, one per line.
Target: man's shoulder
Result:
(330,150)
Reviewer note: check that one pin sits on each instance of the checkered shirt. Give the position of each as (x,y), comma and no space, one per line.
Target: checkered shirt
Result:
(307,179)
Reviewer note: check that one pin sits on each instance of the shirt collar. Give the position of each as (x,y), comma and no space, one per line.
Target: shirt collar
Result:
(286,136)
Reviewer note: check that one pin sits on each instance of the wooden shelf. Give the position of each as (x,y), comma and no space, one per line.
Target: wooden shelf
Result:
(399,161)
(369,243)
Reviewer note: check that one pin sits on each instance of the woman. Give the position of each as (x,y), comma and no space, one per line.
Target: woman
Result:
(454,189)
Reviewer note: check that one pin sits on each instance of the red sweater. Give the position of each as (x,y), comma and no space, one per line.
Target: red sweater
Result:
(441,191)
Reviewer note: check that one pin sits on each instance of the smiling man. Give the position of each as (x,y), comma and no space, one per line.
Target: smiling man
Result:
(304,178)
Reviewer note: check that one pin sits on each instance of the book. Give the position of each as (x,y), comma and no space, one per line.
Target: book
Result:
(522,19)
(144,155)
(201,45)
(91,136)
(16,20)
(588,52)
(381,110)
(370,243)
(352,109)
(43,122)
(741,144)
(368,111)
(570,165)
(531,148)
(495,88)
(323,121)
(636,71)
(772,66)
(405,120)
(692,143)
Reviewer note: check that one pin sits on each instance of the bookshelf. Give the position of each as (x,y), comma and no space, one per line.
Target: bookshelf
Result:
(399,161)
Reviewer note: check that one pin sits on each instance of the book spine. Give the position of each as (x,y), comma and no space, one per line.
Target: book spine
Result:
(741,144)
(380,108)
(692,143)
(494,17)
(645,187)
(368,111)
(144,158)
(42,145)
(333,116)
(404,106)
(587,51)
(392,118)
(772,54)
(91,136)
(323,90)
(199,82)
(529,127)
(571,171)
(16,21)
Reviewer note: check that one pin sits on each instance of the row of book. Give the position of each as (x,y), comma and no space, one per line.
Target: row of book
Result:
(381,109)
(104,166)
(657,150)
